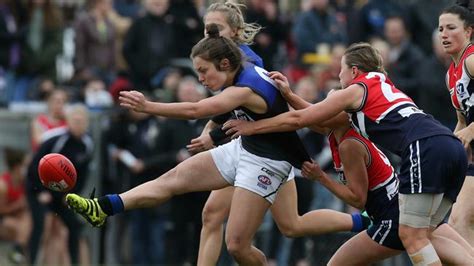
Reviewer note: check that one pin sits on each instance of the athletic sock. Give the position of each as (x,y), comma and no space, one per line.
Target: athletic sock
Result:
(366,222)
(111,204)
(360,222)
(357,225)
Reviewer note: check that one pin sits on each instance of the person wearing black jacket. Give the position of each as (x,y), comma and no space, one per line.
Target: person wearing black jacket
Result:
(74,143)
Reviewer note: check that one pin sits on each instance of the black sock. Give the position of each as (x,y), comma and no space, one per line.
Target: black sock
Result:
(366,222)
(106,205)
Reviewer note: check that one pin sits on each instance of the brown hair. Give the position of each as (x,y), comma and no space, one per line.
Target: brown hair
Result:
(13,157)
(245,31)
(215,48)
(464,9)
(365,57)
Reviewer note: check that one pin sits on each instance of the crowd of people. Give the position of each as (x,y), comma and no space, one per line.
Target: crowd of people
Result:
(204,134)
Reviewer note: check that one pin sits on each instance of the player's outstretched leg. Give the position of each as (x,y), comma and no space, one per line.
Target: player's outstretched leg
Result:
(88,208)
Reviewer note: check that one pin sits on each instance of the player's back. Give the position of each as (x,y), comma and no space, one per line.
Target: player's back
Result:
(388,117)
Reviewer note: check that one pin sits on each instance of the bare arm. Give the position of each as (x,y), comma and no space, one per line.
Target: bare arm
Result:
(353,156)
(227,100)
(204,141)
(316,114)
(210,125)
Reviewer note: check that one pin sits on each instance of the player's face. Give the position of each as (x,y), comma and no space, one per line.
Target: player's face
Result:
(208,74)
(452,33)
(220,20)
(345,76)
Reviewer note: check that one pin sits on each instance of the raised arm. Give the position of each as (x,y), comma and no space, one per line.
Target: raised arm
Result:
(315,114)
(224,102)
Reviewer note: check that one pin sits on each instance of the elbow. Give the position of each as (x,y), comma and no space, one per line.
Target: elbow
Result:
(359,202)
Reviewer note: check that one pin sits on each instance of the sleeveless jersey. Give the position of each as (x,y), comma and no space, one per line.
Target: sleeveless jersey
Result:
(379,169)
(382,191)
(388,117)
(284,146)
(461,86)
(46,124)
(14,193)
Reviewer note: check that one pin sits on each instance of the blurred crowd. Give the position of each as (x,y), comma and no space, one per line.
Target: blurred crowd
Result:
(64,59)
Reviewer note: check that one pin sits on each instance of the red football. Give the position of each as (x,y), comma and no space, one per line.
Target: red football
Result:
(56,172)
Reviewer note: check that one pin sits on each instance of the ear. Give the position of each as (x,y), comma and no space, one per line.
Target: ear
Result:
(354,70)
(224,64)
(469,31)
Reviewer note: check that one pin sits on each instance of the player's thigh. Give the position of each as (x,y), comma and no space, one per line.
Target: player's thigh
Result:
(417,210)
(198,173)
(218,204)
(361,250)
(246,214)
(463,205)
(285,208)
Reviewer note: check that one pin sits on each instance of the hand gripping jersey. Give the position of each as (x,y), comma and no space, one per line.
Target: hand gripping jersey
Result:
(285,146)
(379,171)
(461,86)
(388,117)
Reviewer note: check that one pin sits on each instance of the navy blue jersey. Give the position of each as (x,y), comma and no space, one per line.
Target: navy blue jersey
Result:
(285,146)
(389,118)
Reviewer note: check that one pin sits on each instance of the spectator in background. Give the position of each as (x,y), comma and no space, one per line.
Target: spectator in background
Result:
(404,57)
(189,26)
(423,19)
(135,143)
(317,26)
(328,78)
(372,18)
(432,77)
(96,95)
(175,135)
(15,219)
(74,143)
(43,43)
(11,35)
(95,42)
(121,25)
(43,87)
(128,8)
(150,43)
(267,41)
(53,118)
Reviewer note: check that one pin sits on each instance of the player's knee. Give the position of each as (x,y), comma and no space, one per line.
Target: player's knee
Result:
(236,247)
(212,216)
(411,236)
(289,230)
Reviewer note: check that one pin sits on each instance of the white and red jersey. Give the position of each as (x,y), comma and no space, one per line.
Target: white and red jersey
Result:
(379,169)
(388,117)
(461,85)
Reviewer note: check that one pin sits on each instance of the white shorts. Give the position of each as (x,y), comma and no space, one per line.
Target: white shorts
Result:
(243,169)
